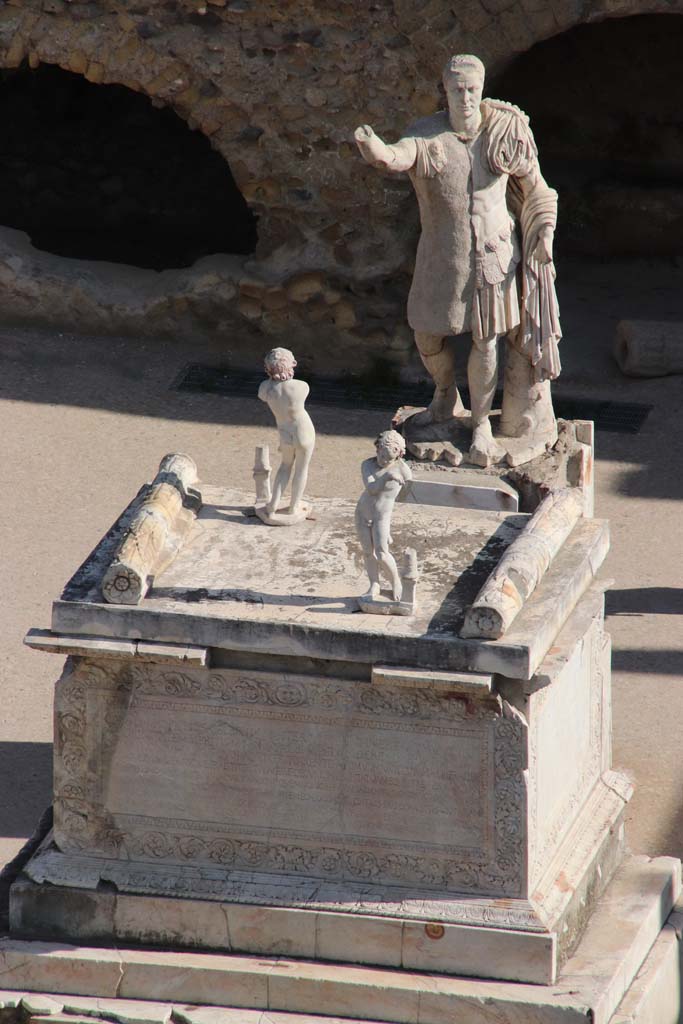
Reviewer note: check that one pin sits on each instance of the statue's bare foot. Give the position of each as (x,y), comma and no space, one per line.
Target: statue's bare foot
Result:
(372,594)
(484,449)
(444,406)
(397,591)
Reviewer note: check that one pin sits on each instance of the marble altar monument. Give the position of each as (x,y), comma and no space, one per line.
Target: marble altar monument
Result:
(408,818)
(246,763)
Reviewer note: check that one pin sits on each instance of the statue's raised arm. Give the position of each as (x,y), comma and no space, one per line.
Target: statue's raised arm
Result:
(399,157)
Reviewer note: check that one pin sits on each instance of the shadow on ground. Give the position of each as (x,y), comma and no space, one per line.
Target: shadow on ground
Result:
(25,783)
(645,601)
(658,662)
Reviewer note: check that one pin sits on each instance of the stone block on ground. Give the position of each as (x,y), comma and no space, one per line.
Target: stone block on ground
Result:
(649,348)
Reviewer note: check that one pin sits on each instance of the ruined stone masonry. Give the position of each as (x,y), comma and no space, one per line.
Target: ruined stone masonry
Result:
(277,89)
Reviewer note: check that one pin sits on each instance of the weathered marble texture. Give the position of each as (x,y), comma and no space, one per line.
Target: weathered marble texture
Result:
(291,774)
(474,168)
(523,565)
(236,584)
(161,523)
(294,787)
(312,763)
(621,934)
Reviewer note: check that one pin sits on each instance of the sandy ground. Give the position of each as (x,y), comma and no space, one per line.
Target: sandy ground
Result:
(84,421)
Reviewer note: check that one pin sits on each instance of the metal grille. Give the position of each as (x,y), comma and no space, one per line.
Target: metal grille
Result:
(609,416)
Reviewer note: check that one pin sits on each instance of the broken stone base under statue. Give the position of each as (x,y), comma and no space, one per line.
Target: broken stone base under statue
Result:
(566,462)
(524,430)
(246,763)
(283,516)
(451,440)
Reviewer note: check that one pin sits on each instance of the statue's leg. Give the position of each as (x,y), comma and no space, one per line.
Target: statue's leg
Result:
(372,569)
(482,375)
(389,562)
(438,357)
(301,464)
(281,477)
(364,533)
(380,536)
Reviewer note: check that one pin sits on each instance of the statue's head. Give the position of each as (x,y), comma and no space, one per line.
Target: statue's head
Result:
(463,80)
(390,445)
(279,364)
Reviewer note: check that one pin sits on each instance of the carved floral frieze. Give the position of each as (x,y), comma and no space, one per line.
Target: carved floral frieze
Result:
(92,702)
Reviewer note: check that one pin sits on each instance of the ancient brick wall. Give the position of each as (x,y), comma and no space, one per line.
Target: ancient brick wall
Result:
(278,88)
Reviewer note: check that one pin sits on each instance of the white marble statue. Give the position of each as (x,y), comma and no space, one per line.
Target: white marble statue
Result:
(384,477)
(285,398)
(470,166)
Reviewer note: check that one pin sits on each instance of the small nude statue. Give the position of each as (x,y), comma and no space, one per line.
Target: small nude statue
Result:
(384,477)
(285,397)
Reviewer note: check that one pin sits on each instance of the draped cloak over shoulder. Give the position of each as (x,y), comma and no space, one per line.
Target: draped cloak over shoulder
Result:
(467,258)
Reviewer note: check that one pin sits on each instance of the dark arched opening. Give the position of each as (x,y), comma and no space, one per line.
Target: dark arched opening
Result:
(97,172)
(605,102)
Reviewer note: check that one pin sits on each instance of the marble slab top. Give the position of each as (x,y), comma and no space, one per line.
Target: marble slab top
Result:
(239,584)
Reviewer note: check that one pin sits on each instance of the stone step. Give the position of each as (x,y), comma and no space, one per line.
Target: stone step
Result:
(655,995)
(627,921)
(41,1008)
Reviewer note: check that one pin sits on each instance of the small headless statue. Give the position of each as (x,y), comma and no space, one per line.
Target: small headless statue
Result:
(285,397)
(384,477)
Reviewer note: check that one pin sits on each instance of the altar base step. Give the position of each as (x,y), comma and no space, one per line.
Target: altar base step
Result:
(82,899)
(625,959)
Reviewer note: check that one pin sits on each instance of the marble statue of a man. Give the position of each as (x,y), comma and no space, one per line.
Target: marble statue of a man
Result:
(286,397)
(473,167)
(384,477)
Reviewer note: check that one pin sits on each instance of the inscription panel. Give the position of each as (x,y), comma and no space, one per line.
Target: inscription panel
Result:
(317,776)
(288,774)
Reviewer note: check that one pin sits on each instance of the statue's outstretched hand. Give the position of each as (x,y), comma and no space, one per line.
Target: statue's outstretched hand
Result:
(363,132)
(371,146)
(543,250)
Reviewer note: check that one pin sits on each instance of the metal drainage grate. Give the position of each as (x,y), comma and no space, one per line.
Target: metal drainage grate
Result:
(612,417)
(350,391)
